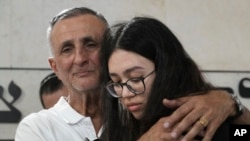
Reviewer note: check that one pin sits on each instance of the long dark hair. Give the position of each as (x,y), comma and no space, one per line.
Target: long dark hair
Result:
(177,74)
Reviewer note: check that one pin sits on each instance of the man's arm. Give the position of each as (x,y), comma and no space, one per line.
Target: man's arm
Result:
(25,132)
(158,133)
(215,107)
(244,118)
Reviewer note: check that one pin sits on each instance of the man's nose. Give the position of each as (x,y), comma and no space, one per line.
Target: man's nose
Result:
(81,57)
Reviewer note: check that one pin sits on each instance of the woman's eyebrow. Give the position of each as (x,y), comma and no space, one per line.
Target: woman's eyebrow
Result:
(127,71)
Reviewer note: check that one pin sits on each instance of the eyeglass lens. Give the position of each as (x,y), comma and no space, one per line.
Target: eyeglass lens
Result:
(135,85)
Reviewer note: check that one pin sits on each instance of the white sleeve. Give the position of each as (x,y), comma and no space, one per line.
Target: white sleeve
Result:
(29,130)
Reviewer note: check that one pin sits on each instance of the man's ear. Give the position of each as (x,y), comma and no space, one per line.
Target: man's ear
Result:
(52,64)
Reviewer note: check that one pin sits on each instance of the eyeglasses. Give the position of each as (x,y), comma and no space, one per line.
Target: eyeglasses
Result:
(134,85)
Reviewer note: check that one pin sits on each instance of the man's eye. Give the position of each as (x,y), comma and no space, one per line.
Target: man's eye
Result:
(66,49)
(91,45)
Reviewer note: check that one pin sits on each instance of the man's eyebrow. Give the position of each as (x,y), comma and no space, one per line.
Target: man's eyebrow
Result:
(84,40)
(87,39)
(67,42)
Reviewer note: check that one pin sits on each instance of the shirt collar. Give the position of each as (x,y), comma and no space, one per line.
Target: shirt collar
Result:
(67,113)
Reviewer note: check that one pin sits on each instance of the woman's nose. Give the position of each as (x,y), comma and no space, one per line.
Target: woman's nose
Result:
(126,92)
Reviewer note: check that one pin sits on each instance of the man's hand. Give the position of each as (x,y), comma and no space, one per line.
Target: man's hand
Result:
(158,133)
(213,108)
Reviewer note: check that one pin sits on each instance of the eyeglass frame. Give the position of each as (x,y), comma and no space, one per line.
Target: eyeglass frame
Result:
(128,86)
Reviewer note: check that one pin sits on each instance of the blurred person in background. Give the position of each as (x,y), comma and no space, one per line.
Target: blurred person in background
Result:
(51,89)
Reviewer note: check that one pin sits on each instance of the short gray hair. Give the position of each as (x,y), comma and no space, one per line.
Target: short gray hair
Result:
(69,13)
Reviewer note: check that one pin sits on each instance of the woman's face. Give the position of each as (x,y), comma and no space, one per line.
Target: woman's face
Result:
(125,65)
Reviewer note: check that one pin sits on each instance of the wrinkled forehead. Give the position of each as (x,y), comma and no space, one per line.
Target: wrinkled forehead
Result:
(82,22)
(78,27)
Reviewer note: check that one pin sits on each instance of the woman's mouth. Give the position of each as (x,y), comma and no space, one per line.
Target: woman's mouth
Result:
(134,107)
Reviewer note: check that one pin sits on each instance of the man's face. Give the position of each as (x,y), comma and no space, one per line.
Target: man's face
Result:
(75,44)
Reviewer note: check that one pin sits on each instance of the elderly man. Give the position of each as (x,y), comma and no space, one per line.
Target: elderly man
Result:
(75,36)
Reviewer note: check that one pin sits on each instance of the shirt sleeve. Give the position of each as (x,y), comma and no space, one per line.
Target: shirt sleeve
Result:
(29,130)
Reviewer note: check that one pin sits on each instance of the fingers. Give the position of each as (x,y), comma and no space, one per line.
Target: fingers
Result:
(178,114)
(197,113)
(203,122)
(174,103)
(197,129)
(190,120)
(211,129)
(157,133)
(184,117)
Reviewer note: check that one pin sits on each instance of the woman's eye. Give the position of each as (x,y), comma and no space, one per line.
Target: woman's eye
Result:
(116,81)
(135,80)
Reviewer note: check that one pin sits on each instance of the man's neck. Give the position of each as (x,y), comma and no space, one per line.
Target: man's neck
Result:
(88,104)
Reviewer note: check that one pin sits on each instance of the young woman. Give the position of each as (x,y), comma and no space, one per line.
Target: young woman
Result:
(143,64)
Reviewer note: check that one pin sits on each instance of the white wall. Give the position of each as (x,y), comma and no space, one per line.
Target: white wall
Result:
(215,33)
